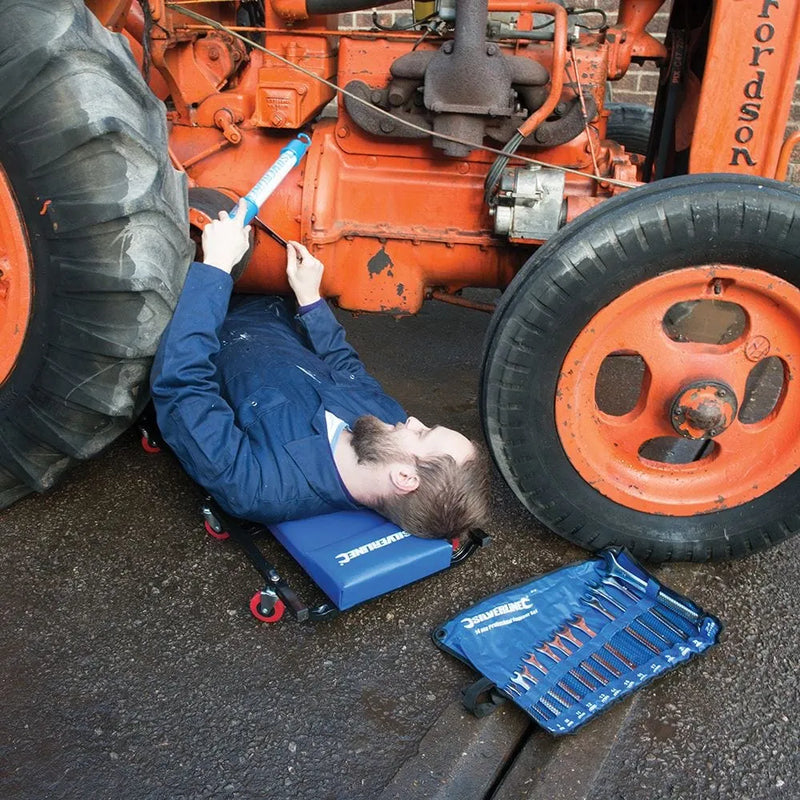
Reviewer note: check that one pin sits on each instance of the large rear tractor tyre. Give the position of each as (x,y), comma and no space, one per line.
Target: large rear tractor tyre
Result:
(94,239)
(640,382)
(629,124)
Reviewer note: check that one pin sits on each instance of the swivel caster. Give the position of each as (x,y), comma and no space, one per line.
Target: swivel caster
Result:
(267,597)
(149,444)
(212,525)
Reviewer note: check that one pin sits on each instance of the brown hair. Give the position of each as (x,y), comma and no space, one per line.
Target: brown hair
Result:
(451,499)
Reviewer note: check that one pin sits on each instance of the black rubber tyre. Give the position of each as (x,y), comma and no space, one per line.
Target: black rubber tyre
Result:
(675,223)
(629,124)
(80,129)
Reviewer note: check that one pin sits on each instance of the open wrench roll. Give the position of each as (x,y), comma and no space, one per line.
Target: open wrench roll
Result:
(566,645)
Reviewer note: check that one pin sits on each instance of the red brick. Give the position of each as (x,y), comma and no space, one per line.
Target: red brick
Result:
(625,96)
(648,82)
(658,25)
(625,84)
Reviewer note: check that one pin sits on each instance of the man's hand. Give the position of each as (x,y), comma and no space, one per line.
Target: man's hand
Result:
(225,241)
(304,273)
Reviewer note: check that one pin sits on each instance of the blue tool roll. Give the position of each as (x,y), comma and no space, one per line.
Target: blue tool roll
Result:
(566,645)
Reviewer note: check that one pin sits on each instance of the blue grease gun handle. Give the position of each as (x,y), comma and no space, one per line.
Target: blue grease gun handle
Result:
(271,179)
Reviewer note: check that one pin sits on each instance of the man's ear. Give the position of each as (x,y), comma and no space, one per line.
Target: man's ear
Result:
(404,478)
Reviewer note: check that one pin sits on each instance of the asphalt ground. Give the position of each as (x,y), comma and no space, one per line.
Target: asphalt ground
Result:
(130,666)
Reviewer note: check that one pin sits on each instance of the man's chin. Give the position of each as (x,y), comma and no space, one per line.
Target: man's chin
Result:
(371,440)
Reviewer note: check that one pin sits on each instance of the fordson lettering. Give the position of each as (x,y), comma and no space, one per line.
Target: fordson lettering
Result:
(349,555)
(498,611)
(750,110)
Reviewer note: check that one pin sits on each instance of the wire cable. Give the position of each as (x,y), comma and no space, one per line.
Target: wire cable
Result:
(507,152)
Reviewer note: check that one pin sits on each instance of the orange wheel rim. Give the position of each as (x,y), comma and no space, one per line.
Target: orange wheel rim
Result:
(16,289)
(745,458)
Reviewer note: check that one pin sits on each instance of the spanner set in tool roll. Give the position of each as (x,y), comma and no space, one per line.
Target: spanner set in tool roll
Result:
(568,644)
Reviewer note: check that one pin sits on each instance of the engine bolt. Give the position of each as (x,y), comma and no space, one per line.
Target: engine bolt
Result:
(447,47)
(678,412)
(491,50)
(721,393)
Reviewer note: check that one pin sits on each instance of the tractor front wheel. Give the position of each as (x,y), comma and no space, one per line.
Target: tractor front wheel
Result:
(94,239)
(640,384)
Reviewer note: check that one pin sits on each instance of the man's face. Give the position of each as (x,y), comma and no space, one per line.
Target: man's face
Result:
(378,441)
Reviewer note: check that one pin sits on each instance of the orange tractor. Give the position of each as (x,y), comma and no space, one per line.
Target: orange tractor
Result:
(640,376)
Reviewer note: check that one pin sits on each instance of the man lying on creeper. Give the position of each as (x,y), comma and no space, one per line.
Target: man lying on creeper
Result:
(278,419)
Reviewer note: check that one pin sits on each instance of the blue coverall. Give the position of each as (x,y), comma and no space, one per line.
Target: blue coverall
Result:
(240,397)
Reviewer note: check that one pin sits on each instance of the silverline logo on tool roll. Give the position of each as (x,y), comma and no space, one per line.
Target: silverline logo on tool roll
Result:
(523,604)
(349,555)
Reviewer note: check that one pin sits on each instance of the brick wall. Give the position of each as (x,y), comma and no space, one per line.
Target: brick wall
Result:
(639,84)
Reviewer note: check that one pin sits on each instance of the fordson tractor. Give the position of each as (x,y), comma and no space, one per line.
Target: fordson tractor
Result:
(640,375)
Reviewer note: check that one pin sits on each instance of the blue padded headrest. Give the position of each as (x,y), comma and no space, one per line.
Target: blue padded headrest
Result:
(356,555)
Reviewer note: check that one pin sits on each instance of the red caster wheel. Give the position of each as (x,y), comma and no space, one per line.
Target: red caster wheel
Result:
(219,535)
(148,447)
(277,610)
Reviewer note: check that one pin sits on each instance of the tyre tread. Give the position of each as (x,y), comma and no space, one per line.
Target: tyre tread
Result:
(130,232)
(707,213)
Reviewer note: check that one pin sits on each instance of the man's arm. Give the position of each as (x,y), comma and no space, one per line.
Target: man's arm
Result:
(326,336)
(194,419)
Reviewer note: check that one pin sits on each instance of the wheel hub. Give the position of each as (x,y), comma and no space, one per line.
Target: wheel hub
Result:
(15,278)
(703,409)
(631,453)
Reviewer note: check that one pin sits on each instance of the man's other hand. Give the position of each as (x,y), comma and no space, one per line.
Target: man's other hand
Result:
(304,273)
(225,241)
